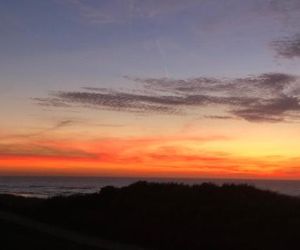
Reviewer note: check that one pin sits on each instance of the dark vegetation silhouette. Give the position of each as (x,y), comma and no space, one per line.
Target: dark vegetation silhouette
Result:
(175,216)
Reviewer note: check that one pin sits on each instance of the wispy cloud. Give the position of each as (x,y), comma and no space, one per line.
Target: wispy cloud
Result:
(285,6)
(288,47)
(39,150)
(115,11)
(53,102)
(118,101)
(220,117)
(270,97)
(41,132)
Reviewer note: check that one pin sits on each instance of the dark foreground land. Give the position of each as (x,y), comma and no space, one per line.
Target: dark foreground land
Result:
(14,236)
(162,216)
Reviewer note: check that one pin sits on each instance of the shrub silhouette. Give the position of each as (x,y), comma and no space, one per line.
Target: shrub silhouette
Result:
(176,216)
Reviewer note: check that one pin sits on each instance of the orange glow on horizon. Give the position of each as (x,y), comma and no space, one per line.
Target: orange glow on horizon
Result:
(172,156)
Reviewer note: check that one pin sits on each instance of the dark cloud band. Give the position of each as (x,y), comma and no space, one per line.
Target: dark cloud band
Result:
(268,97)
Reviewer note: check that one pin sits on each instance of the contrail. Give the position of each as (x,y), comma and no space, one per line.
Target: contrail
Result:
(163,58)
(59,125)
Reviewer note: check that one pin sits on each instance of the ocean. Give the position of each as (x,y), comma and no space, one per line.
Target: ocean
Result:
(43,187)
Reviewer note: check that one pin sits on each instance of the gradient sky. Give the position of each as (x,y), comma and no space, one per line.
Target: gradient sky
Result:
(194,88)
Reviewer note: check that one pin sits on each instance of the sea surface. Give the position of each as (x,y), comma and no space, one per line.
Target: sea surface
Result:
(44,187)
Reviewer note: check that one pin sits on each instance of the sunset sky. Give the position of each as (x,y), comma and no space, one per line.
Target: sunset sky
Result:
(167,88)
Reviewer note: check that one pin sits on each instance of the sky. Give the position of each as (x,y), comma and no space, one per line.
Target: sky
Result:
(155,88)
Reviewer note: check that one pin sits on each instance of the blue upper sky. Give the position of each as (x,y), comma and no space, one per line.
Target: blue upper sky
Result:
(68,44)
(141,38)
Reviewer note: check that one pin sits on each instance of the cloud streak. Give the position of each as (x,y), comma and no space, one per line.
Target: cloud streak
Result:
(114,11)
(36,150)
(59,125)
(270,97)
(288,47)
